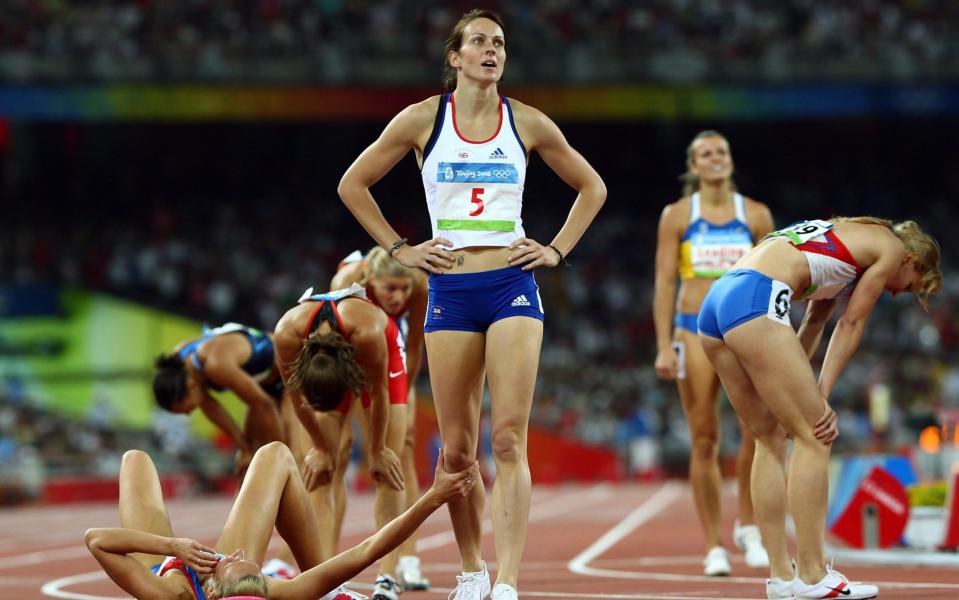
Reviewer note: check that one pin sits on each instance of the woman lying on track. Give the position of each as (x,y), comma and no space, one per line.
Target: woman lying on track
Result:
(143,557)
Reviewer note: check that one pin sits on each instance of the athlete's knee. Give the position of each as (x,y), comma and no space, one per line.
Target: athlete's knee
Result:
(509,444)
(134,456)
(704,444)
(276,453)
(457,459)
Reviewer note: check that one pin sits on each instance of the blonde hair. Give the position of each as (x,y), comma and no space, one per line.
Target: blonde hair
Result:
(690,181)
(917,241)
(248,585)
(380,264)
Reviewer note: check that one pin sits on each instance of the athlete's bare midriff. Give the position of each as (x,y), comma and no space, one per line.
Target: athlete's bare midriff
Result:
(476,259)
(780,260)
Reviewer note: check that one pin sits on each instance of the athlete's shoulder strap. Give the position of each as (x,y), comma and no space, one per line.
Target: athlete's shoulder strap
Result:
(694,211)
(437,124)
(740,203)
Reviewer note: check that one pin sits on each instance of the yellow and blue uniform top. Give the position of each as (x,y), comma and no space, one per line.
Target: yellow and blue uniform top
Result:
(707,250)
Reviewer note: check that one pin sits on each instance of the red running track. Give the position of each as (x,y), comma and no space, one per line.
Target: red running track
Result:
(638,542)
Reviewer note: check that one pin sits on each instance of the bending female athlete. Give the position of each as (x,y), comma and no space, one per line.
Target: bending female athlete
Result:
(484,317)
(231,357)
(701,236)
(330,347)
(146,560)
(764,367)
(401,293)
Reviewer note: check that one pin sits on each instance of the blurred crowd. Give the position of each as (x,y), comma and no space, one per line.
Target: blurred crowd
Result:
(400,41)
(39,447)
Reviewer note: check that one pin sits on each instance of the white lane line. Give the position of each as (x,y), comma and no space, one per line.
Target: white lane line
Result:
(52,588)
(550,508)
(43,556)
(658,502)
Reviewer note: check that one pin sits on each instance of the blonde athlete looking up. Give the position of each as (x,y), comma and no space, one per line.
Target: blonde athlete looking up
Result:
(764,367)
(484,316)
(401,293)
(701,236)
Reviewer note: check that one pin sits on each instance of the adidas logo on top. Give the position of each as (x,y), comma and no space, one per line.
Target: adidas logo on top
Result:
(520,301)
(498,153)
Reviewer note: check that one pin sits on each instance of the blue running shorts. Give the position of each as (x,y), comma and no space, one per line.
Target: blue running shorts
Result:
(474,301)
(740,296)
(685,321)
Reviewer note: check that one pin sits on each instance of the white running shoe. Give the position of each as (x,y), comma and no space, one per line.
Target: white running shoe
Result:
(748,539)
(408,574)
(386,588)
(472,586)
(834,585)
(716,563)
(504,591)
(777,589)
(341,593)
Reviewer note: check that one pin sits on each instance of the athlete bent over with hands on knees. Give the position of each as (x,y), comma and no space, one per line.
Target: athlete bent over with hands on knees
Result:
(701,236)
(230,357)
(764,367)
(484,316)
(402,293)
(331,347)
(146,560)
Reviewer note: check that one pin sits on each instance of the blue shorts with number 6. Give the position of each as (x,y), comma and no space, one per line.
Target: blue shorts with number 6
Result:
(474,301)
(740,296)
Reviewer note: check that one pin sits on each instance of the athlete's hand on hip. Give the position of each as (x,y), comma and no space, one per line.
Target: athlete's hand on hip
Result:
(317,469)
(385,467)
(429,256)
(197,556)
(667,364)
(531,254)
(827,427)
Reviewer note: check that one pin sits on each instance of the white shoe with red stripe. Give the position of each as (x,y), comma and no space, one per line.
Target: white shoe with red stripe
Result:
(834,585)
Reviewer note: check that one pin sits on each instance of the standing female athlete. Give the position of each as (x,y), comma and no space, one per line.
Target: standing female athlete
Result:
(702,235)
(401,292)
(484,314)
(143,557)
(233,357)
(764,367)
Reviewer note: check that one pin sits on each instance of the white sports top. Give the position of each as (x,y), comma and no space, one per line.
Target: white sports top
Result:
(474,190)
(832,269)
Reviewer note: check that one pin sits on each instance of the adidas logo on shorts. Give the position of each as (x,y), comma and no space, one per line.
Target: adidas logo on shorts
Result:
(520,301)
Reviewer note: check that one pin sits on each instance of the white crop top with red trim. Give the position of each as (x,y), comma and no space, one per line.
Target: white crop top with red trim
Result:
(474,189)
(832,269)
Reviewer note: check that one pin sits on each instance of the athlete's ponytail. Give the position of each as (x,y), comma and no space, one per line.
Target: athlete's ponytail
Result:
(325,370)
(169,382)
(927,258)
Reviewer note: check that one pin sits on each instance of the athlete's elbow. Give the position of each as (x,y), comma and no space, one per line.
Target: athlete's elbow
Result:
(598,192)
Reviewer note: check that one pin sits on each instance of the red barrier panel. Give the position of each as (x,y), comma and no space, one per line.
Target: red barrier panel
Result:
(877,514)
(952,527)
(66,490)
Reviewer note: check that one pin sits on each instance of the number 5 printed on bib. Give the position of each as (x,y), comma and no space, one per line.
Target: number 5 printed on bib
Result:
(477,199)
